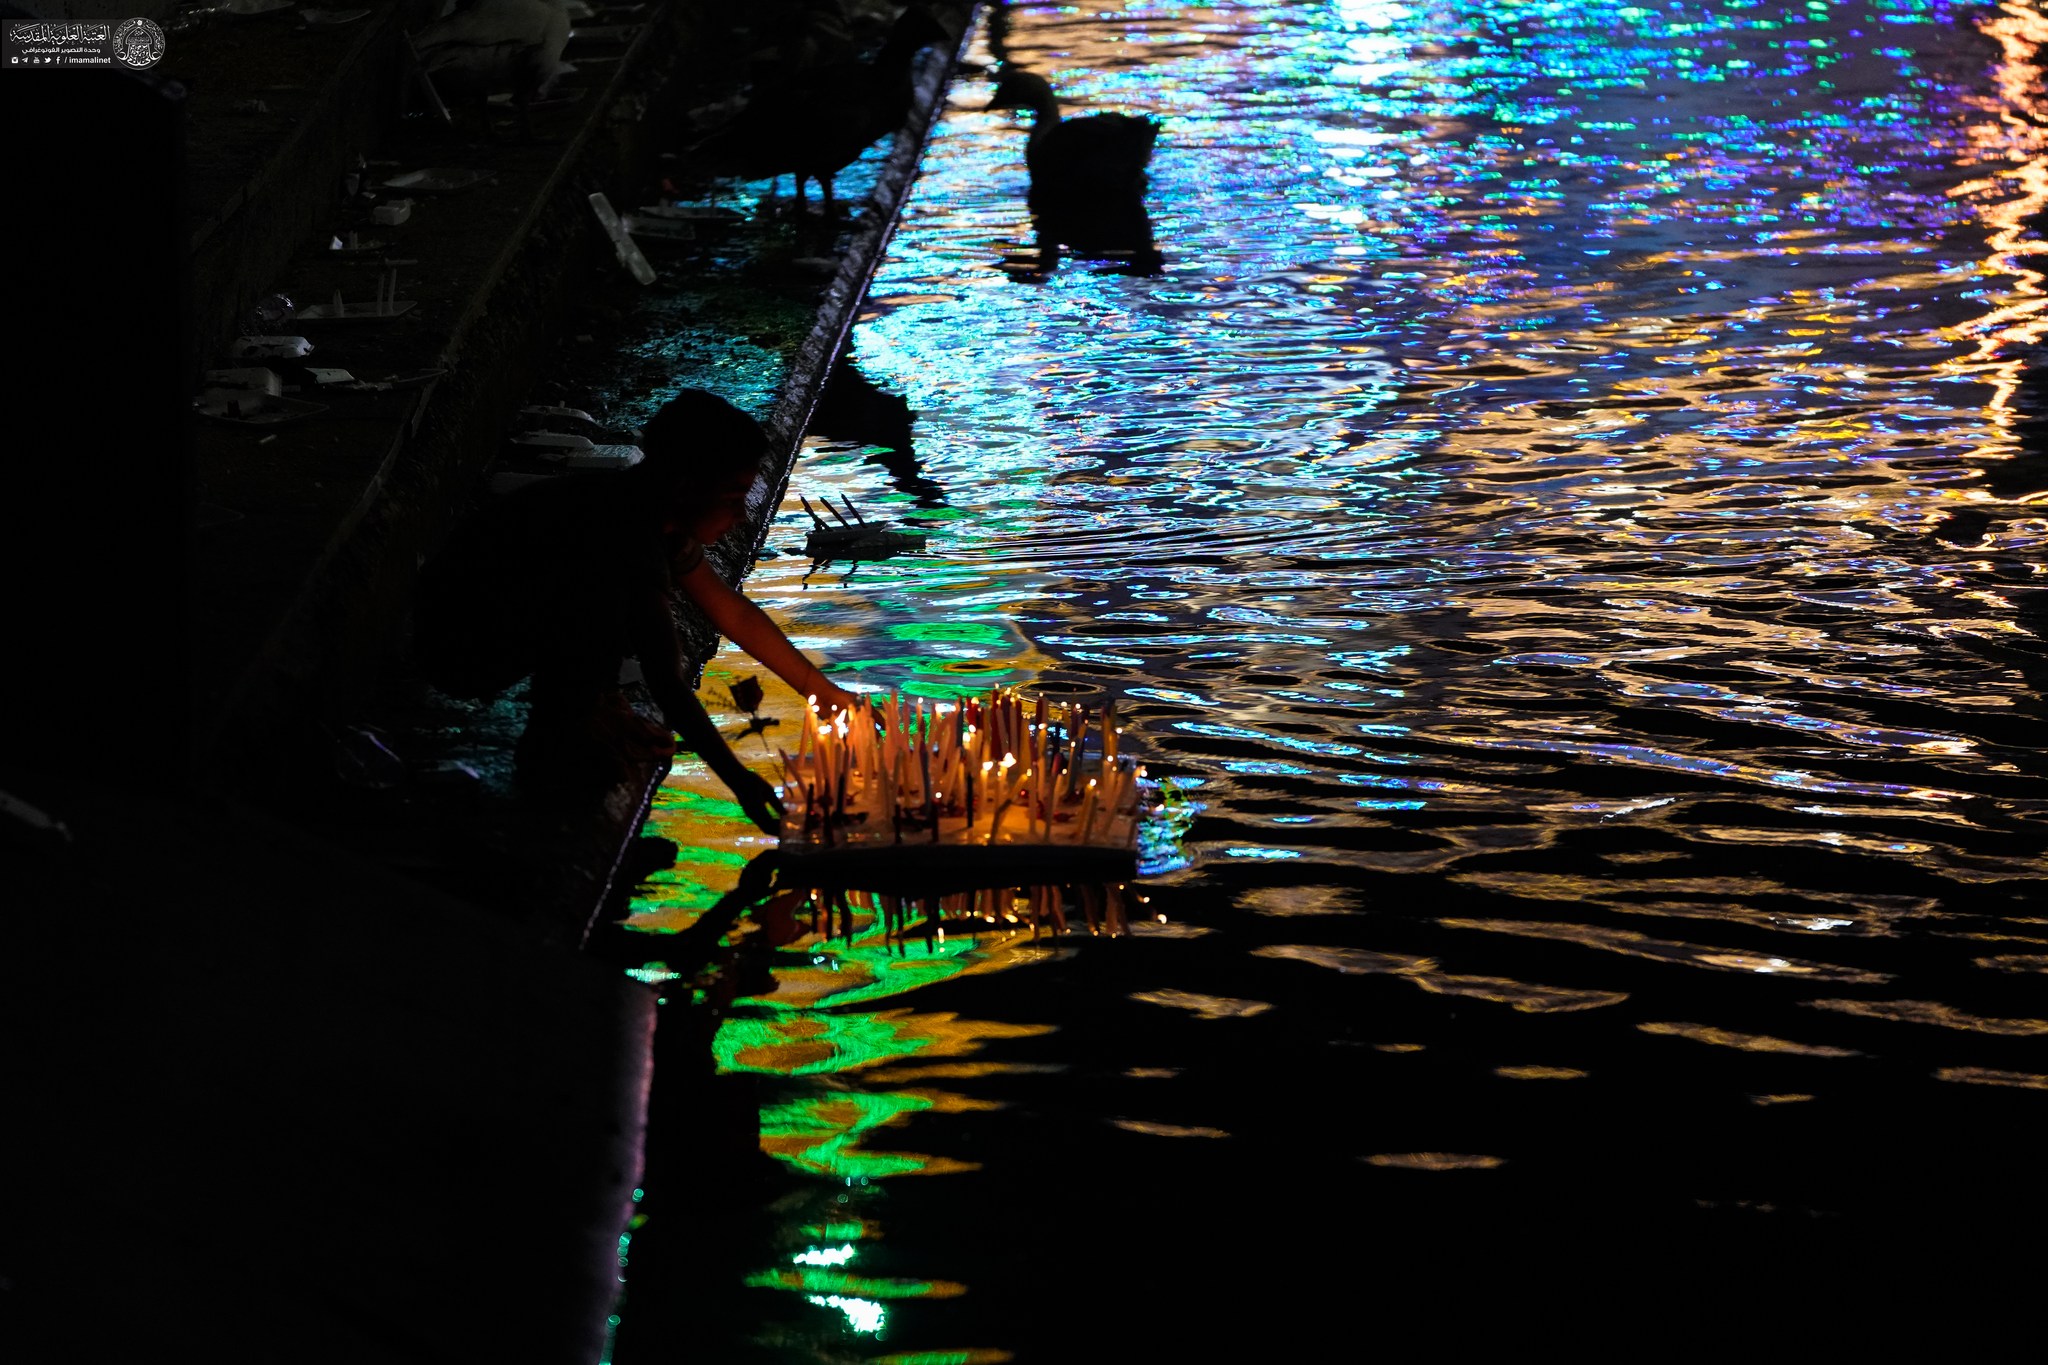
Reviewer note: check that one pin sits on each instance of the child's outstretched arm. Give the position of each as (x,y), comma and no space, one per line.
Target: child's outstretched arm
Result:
(747,626)
(664,668)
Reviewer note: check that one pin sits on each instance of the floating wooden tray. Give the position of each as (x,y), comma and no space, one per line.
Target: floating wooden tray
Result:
(604,33)
(914,868)
(253,407)
(862,542)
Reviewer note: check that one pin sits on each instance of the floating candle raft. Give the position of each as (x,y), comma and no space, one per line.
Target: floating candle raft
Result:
(897,793)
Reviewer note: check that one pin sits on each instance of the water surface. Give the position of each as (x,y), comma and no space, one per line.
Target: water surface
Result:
(1562,520)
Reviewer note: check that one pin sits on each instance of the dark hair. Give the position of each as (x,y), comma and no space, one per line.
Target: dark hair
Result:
(699,437)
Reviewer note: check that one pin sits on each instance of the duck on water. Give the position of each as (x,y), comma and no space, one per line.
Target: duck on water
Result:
(1087,174)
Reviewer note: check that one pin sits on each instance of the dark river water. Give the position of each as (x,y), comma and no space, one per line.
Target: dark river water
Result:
(1562,527)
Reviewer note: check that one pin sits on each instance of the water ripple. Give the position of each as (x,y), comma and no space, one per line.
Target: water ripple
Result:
(1573,464)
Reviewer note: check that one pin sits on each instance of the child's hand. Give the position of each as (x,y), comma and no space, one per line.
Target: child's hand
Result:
(833,698)
(759,799)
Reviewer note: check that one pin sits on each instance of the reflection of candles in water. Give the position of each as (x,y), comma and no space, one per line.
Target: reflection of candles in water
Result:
(924,773)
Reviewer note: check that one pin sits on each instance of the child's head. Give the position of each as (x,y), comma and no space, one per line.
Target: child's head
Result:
(702,455)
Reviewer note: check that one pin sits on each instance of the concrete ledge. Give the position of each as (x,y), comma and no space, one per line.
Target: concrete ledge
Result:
(380,1126)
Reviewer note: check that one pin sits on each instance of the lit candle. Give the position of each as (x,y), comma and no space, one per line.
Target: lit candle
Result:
(1048,793)
(931,798)
(1078,733)
(888,812)
(1041,742)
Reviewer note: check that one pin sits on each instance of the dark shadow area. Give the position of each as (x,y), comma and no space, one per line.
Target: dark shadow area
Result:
(95,541)
(714,1198)
(854,409)
(1115,232)
(811,114)
(331,1128)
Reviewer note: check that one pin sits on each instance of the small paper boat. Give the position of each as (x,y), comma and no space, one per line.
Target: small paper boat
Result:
(437,180)
(549,410)
(247,407)
(562,95)
(604,33)
(257,380)
(270,348)
(564,441)
(356,312)
(864,542)
(598,457)
(856,539)
(410,381)
(578,452)
(692,213)
(574,451)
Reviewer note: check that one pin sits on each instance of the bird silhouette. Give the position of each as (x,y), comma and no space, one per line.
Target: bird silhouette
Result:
(813,125)
(1088,177)
(495,47)
(853,408)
